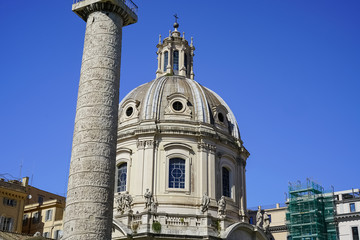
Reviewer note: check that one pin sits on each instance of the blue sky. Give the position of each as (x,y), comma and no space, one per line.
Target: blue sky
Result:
(289,70)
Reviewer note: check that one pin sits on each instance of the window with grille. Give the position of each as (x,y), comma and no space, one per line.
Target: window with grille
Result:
(48,215)
(186,62)
(226,182)
(355,233)
(9,202)
(122,173)
(58,234)
(6,224)
(166,59)
(36,217)
(352,207)
(177,173)
(176,60)
(25,219)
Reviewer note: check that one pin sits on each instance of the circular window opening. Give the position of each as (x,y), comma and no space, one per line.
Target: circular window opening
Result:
(221,117)
(129,111)
(177,106)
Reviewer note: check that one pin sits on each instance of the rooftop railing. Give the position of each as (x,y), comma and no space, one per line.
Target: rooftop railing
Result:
(130,4)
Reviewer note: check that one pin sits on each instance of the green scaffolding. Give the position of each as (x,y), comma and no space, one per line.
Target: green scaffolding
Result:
(310,214)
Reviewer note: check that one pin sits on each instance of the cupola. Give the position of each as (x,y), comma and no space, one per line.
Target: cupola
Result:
(175,55)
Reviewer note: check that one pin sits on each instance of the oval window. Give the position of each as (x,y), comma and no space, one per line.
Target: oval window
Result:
(177,106)
(221,117)
(129,111)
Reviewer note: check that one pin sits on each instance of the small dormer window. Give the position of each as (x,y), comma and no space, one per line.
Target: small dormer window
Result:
(166,59)
(176,60)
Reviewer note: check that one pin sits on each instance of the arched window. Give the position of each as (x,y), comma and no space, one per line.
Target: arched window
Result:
(226,182)
(177,173)
(176,60)
(185,62)
(166,59)
(122,172)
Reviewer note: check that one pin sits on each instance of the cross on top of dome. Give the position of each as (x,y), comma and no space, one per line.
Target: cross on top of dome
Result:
(176,24)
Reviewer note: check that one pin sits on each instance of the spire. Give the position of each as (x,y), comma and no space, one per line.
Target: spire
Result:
(175,55)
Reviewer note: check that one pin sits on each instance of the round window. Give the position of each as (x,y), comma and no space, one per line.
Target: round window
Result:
(221,117)
(129,111)
(177,106)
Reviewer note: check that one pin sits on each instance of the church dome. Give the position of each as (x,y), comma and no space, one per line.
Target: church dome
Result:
(180,161)
(170,98)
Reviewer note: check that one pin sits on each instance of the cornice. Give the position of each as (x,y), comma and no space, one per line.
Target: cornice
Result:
(185,128)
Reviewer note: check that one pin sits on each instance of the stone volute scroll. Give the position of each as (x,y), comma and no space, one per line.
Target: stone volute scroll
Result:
(205,201)
(221,208)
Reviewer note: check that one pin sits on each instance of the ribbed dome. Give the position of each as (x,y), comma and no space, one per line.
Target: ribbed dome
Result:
(176,98)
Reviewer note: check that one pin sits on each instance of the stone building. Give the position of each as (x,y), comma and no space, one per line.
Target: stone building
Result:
(13,194)
(180,162)
(348,213)
(43,213)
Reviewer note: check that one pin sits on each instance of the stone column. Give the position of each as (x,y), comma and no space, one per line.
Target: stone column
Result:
(182,68)
(158,71)
(212,173)
(202,169)
(89,204)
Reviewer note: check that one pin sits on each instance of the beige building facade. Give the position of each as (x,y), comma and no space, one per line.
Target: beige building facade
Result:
(13,194)
(43,213)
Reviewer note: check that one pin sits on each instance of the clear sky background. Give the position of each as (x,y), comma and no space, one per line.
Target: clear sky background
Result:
(288,69)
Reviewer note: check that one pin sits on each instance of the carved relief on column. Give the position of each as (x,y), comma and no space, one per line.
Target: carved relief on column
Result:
(89,205)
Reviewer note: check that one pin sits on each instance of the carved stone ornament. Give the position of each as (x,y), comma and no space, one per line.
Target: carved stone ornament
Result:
(205,201)
(259,218)
(222,207)
(124,202)
(266,222)
(148,199)
(146,144)
(207,147)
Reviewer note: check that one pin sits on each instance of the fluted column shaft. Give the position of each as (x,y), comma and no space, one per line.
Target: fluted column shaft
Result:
(89,205)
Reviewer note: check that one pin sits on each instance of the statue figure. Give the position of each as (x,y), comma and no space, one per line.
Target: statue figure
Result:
(259,217)
(266,222)
(205,201)
(124,202)
(221,207)
(148,199)
(153,207)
